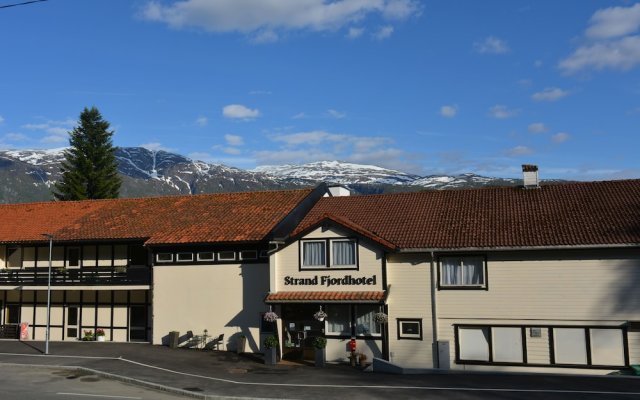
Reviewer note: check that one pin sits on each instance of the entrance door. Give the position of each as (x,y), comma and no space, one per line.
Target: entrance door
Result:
(71,326)
(138,324)
(299,330)
(12,314)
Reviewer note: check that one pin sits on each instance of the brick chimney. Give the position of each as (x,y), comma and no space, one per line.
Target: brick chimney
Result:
(530,176)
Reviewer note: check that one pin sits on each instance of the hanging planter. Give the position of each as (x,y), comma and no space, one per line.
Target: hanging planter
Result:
(320,315)
(381,318)
(270,316)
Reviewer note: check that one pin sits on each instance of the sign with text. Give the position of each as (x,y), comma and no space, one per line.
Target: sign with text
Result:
(327,280)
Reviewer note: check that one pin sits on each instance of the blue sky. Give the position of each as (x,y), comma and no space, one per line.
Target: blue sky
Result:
(426,87)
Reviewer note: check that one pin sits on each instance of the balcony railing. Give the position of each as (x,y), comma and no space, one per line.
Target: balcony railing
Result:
(77,276)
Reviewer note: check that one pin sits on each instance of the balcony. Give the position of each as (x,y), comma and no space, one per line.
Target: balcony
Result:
(93,276)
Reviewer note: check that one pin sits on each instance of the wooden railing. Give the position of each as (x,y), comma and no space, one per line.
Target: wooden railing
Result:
(77,276)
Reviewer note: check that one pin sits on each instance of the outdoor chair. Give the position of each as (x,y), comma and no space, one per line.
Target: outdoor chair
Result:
(215,343)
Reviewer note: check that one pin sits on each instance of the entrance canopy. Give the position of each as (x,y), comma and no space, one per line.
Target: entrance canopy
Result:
(327,297)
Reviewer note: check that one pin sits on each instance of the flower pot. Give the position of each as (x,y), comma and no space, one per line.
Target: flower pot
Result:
(270,357)
(321,357)
(100,338)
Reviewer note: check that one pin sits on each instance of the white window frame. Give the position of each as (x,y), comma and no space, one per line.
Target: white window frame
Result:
(164,261)
(355,254)
(413,336)
(220,258)
(482,285)
(184,254)
(213,256)
(324,243)
(254,257)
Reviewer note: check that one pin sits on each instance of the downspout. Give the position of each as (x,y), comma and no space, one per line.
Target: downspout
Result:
(434,314)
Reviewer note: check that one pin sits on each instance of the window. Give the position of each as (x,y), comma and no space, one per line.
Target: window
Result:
(314,254)
(338,320)
(206,256)
(226,256)
(14,258)
(410,329)
(570,346)
(474,343)
(462,272)
(607,347)
(365,322)
(249,255)
(343,253)
(73,257)
(183,257)
(164,257)
(507,344)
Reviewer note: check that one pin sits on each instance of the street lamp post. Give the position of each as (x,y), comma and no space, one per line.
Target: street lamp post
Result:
(46,343)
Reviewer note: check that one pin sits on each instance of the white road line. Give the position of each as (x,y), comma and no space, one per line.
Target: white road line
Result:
(98,395)
(434,388)
(59,356)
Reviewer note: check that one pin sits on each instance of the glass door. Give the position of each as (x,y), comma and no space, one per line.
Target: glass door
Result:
(71,326)
(138,324)
(299,329)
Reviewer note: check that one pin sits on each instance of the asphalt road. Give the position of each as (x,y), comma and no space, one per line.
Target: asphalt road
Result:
(28,382)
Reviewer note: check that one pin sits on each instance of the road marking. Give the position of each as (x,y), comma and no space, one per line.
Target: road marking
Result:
(98,395)
(434,388)
(59,356)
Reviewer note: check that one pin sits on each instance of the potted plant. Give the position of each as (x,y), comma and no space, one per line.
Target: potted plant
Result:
(270,316)
(241,343)
(100,337)
(362,359)
(320,344)
(87,336)
(271,346)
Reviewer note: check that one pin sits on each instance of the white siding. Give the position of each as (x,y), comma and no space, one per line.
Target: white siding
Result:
(410,297)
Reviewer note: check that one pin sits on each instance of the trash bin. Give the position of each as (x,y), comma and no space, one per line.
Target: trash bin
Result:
(174,339)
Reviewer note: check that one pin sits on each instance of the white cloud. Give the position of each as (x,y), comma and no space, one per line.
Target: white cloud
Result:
(155,146)
(549,94)
(299,115)
(537,127)
(614,22)
(336,114)
(308,138)
(238,111)
(538,63)
(519,151)
(15,137)
(384,32)
(560,137)
(491,45)
(56,130)
(622,54)
(53,139)
(234,140)
(448,111)
(231,150)
(263,18)
(1,119)
(355,33)
(611,42)
(500,111)
(202,121)
(265,36)
(200,156)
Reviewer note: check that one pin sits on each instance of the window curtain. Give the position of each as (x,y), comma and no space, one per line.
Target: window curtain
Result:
(339,320)
(365,323)
(313,254)
(473,271)
(344,253)
(451,271)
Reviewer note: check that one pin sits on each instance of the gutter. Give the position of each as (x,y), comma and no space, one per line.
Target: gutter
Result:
(434,314)
(564,247)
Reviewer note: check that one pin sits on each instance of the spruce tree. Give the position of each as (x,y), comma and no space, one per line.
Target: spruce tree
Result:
(90,169)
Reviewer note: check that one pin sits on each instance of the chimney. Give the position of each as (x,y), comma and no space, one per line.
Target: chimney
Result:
(530,176)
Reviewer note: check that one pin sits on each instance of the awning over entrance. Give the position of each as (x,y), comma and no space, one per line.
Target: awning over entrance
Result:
(327,297)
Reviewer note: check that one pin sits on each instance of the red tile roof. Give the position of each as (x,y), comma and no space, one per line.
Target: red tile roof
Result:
(228,217)
(573,214)
(365,297)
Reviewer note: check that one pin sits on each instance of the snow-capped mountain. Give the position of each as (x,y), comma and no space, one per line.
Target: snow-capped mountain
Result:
(28,175)
(338,172)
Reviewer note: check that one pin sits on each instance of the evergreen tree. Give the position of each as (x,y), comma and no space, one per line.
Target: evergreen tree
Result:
(90,170)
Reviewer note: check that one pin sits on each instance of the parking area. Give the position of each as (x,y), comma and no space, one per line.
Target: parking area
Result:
(220,373)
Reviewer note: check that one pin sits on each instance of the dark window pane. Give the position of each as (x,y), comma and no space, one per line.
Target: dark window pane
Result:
(72,316)
(73,255)
(410,328)
(138,317)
